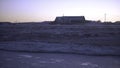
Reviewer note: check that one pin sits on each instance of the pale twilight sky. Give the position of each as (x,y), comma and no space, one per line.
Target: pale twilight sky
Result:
(47,10)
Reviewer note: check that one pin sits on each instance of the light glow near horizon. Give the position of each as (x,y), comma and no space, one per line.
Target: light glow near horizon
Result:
(47,10)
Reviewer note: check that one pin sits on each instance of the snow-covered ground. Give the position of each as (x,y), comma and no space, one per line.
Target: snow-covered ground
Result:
(81,39)
(60,48)
(56,60)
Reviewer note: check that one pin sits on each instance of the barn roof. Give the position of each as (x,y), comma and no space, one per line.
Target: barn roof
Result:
(73,16)
(80,17)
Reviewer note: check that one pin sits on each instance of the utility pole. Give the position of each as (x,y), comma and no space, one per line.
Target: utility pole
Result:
(63,18)
(63,14)
(105,17)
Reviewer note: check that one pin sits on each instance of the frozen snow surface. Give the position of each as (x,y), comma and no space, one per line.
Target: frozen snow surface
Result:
(59,48)
(80,39)
(56,60)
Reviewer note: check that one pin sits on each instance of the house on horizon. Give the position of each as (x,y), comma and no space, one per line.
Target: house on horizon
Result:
(70,20)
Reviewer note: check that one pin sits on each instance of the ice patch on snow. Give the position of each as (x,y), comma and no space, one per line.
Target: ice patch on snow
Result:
(52,61)
(27,56)
(89,64)
(57,60)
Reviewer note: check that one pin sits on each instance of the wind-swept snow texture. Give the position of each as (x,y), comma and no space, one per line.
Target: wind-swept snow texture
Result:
(81,39)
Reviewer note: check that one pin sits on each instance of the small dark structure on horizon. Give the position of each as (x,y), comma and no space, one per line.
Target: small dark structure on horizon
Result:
(2,23)
(70,20)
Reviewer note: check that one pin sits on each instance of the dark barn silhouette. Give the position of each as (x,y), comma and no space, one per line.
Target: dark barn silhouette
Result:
(70,20)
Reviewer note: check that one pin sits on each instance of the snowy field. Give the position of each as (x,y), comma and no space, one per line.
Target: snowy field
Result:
(41,47)
(59,46)
(96,39)
(56,60)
